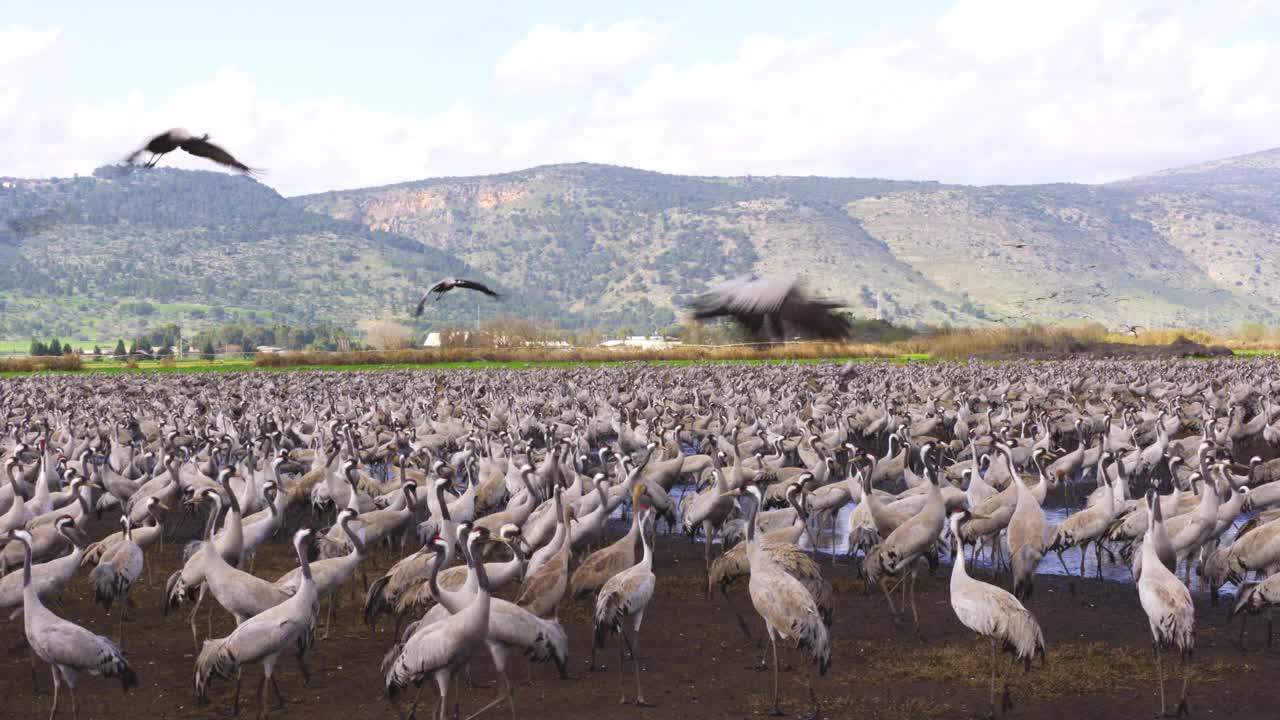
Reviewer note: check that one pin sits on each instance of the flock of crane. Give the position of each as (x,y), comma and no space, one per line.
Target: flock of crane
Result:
(484,480)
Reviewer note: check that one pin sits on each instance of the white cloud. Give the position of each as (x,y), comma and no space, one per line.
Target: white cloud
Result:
(552,58)
(989,93)
(993,93)
(19,41)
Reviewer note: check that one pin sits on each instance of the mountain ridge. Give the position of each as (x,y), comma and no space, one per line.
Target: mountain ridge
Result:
(586,245)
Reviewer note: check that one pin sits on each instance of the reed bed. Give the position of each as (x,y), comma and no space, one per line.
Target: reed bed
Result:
(37,364)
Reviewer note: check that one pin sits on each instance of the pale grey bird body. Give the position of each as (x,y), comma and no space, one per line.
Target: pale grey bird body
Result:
(263,638)
(993,613)
(68,648)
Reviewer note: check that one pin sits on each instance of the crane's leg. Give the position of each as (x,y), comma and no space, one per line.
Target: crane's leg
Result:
(75,708)
(888,596)
(262,697)
(1182,711)
(444,679)
(635,660)
(707,530)
(991,700)
(1097,551)
(235,697)
(1270,616)
(773,643)
(35,678)
(1244,617)
(195,635)
(621,689)
(1084,555)
(914,613)
(1160,676)
(504,693)
(834,514)
(1006,701)
(57,683)
(281,702)
(413,708)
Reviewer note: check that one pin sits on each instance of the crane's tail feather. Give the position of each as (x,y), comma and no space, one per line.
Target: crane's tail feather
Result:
(375,602)
(1247,599)
(105,585)
(215,661)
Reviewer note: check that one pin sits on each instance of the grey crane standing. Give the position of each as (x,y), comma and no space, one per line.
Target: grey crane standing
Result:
(263,638)
(622,601)
(68,648)
(1170,612)
(993,613)
(787,608)
(441,649)
(117,571)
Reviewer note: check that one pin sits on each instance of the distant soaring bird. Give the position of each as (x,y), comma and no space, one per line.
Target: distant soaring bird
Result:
(170,140)
(448,284)
(773,308)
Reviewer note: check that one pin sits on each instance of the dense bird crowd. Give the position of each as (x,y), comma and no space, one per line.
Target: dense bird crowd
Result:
(478,481)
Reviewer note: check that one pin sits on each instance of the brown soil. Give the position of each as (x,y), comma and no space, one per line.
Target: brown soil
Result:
(697,664)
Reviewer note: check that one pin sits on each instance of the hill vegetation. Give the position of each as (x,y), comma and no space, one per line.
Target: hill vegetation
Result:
(90,259)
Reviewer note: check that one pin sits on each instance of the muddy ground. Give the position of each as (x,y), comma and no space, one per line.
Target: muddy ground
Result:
(697,663)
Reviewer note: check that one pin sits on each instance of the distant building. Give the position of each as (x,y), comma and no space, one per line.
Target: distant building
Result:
(643,342)
(268,349)
(434,340)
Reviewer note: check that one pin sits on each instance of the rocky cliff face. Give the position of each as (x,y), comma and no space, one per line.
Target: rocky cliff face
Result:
(1187,247)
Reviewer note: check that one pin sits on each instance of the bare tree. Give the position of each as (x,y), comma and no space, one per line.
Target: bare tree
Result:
(385,335)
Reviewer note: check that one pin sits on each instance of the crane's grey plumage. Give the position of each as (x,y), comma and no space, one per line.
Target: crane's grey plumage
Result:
(787,608)
(263,638)
(447,284)
(993,613)
(622,601)
(441,649)
(117,570)
(48,577)
(174,138)
(1170,612)
(510,628)
(774,307)
(68,648)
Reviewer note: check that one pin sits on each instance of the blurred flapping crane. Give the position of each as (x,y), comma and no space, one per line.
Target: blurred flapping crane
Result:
(773,308)
(170,140)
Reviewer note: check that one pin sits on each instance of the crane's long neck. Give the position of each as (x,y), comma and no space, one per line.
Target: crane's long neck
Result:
(304,563)
(958,569)
(26,570)
(357,545)
(212,524)
(443,557)
(646,560)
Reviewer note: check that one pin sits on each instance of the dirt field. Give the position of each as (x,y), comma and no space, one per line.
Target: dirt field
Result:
(697,664)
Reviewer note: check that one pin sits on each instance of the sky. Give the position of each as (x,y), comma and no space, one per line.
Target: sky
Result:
(332,95)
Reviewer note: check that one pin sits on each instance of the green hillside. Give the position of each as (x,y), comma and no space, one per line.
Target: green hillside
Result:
(607,247)
(108,255)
